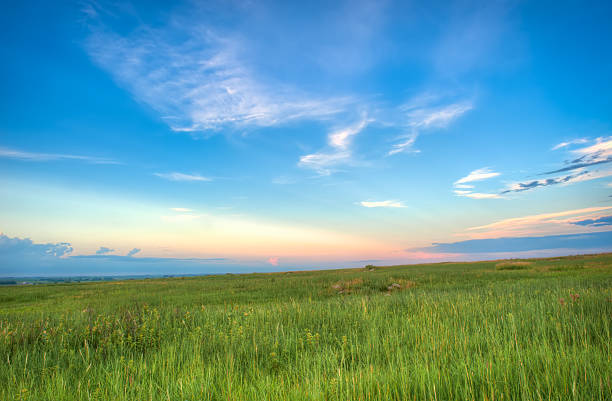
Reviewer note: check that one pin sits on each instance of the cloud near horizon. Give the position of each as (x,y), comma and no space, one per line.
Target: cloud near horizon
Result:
(597,222)
(581,242)
(18,247)
(563,222)
(104,250)
(133,252)
(23,257)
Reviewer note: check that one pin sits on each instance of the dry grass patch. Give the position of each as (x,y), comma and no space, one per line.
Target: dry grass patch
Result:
(347,286)
(511,265)
(400,284)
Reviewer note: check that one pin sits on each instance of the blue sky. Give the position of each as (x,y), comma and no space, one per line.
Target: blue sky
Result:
(241,136)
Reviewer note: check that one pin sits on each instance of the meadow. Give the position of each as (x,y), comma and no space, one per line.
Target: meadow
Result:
(535,329)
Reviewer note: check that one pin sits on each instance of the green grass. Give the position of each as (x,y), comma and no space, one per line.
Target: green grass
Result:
(450,331)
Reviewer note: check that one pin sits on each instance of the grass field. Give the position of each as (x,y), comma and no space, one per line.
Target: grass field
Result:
(500,330)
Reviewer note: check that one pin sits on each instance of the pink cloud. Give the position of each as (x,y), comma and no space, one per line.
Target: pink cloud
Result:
(273,260)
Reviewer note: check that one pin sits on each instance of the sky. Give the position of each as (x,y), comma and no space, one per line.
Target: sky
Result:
(196,137)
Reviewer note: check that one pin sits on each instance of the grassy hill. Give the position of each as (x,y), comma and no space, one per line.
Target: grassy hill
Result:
(512,330)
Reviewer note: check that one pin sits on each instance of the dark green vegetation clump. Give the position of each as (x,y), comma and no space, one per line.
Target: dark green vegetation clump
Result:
(536,330)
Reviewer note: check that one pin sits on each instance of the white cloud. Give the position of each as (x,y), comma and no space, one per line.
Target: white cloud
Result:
(601,150)
(588,176)
(387,203)
(181,177)
(181,209)
(341,139)
(42,157)
(477,195)
(578,175)
(568,143)
(477,175)
(465,190)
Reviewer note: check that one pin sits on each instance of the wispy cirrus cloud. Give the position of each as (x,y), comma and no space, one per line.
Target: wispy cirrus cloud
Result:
(386,204)
(44,157)
(202,79)
(181,209)
(199,80)
(340,152)
(404,146)
(569,143)
(181,177)
(420,115)
(436,117)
